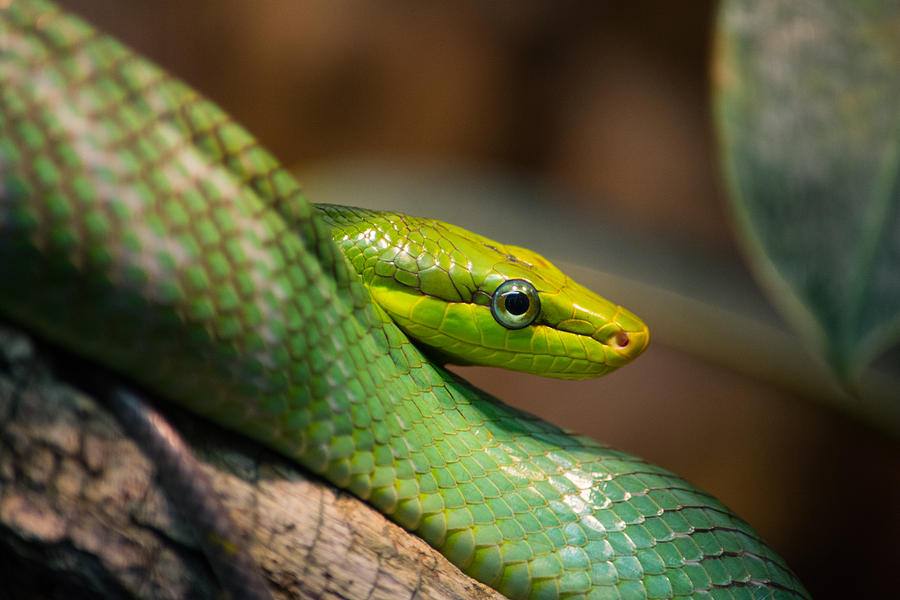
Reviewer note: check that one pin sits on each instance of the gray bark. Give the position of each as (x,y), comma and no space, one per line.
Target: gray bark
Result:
(82,516)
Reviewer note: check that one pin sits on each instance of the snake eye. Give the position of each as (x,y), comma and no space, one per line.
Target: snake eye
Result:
(515,304)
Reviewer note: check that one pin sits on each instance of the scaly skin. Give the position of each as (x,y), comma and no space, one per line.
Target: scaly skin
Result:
(435,280)
(142,229)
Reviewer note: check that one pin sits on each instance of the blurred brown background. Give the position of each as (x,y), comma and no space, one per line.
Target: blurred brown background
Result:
(609,103)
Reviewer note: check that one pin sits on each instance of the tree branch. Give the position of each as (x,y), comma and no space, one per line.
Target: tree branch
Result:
(82,516)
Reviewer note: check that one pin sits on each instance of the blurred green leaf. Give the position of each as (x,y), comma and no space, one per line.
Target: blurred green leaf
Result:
(808,110)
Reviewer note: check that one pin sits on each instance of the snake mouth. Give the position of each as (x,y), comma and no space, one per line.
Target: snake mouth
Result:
(581,345)
(541,350)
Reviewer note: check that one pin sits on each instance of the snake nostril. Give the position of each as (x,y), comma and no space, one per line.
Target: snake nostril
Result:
(622,339)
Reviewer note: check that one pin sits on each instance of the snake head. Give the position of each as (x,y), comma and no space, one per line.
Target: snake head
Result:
(578,333)
(466,299)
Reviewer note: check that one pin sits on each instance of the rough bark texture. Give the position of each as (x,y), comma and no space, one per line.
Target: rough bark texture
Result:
(81,515)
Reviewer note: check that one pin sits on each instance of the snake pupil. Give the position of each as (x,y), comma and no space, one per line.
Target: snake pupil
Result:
(516,303)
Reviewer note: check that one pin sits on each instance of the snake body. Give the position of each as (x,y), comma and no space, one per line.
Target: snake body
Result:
(142,229)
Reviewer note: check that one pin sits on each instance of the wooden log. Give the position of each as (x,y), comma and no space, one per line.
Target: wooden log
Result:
(82,515)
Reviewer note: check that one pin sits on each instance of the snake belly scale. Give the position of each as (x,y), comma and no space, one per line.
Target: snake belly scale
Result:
(144,230)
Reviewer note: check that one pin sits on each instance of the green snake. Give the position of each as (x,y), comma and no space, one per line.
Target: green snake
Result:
(144,230)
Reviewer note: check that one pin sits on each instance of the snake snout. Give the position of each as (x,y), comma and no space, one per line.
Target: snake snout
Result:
(626,336)
(632,331)
(631,343)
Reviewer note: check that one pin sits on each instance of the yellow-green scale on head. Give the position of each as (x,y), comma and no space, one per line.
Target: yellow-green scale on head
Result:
(469,300)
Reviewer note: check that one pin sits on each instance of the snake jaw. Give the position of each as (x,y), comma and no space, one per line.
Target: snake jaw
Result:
(465,334)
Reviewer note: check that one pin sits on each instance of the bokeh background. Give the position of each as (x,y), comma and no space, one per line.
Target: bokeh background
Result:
(584,122)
